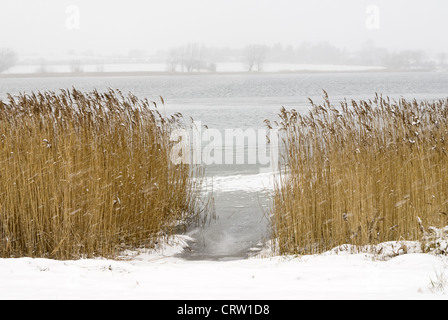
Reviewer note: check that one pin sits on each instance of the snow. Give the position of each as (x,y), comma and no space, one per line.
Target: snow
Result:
(160,274)
(116,67)
(161,67)
(290,67)
(391,270)
(388,271)
(246,182)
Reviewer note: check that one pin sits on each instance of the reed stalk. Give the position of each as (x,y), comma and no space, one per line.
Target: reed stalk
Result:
(360,173)
(88,174)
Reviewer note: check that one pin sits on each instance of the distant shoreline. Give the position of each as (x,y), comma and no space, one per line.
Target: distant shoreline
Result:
(166,73)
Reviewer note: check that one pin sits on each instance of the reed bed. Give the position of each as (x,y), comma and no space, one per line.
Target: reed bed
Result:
(88,174)
(361,173)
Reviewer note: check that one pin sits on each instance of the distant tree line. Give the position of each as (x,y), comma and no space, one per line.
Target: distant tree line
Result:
(368,55)
(195,57)
(8,58)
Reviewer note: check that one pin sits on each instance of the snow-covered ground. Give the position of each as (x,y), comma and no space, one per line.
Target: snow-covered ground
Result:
(246,182)
(161,67)
(161,275)
(396,271)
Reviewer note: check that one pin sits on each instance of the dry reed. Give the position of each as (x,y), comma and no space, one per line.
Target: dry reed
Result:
(361,173)
(88,174)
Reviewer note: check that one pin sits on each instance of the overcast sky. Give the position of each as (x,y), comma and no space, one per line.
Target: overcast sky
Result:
(112,26)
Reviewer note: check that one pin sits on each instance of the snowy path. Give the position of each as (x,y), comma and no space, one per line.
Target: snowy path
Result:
(163,276)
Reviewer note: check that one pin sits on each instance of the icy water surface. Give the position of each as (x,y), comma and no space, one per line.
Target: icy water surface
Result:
(241,191)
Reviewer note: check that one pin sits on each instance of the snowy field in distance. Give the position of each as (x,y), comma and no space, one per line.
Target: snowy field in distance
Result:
(161,67)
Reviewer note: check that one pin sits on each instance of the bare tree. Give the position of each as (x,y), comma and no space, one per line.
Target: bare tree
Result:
(249,58)
(173,60)
(43,66)
(75,66)
(8,58)
(193,57)
(99,66)
(255,57)
(190,57)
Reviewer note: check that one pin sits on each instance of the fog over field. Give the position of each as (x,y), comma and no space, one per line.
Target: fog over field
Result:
(113,26)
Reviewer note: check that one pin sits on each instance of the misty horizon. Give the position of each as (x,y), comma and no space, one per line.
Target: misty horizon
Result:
(110,28)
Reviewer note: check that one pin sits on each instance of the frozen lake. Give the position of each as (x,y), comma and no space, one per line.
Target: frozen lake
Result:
(233,101)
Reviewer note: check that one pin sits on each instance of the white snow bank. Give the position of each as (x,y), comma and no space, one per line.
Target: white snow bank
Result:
(249,183)
(278,67)
(161,67)
(160,275)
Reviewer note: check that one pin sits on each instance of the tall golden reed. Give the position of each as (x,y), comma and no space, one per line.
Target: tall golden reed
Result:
(88,174)
(361,173)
